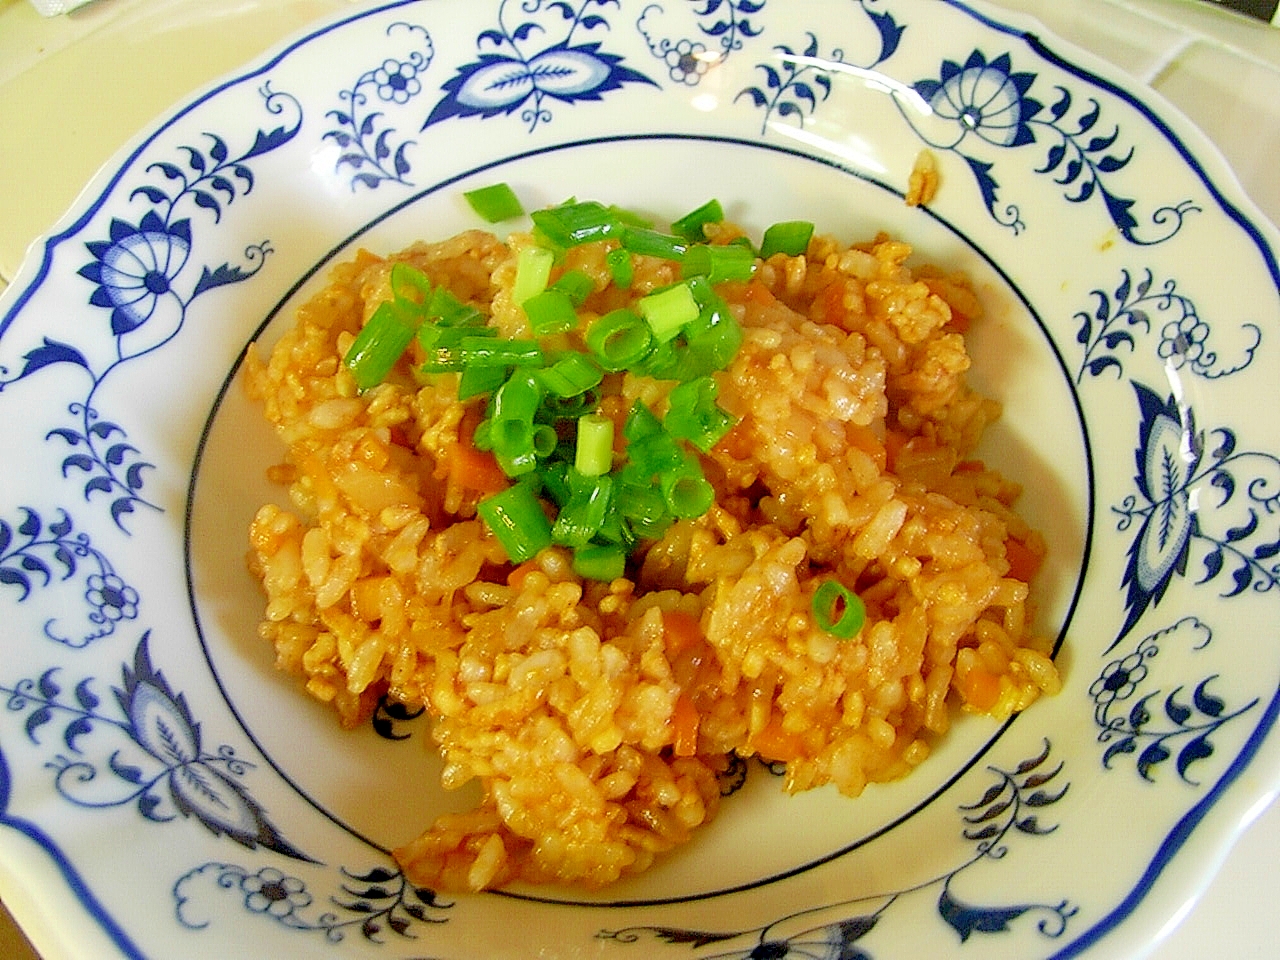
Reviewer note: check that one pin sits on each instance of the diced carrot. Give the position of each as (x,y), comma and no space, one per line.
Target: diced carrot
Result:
(684,722)
(759,294)
(864,439)
(894,441)
(682,632)
(1024,562)
(980,688)
(517,577)
(774,743)
(828,305)
(474,469)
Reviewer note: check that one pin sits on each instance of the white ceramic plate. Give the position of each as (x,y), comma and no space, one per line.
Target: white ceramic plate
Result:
(165,793)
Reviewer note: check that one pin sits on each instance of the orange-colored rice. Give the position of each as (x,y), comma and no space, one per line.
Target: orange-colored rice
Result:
(597,715)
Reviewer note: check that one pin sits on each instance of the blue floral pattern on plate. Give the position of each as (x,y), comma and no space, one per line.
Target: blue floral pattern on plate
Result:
(113,694)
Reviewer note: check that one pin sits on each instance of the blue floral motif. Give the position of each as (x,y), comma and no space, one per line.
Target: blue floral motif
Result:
(142,273)
(136,268)
(988,100)
(1174,460)
(33,552)
(154,754)
(724,22)
(362,135)
(373,902)
(1128,310)
(1011,805)
(805,79)
(524,76)
(1185,725)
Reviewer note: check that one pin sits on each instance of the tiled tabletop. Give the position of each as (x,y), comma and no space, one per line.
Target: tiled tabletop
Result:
(72,91)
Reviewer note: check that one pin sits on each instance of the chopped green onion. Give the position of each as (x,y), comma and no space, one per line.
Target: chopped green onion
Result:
(790,237)
(445,348)
(686,490)
(719,263)
(690,226)
(545,440)
(447,310)
(533,271)
(571,224)
(571,375)
(642,506)
(518,398)
(838,610)
(516,518)
(668,310)
(409,285)
(606,562)
(593,454)
(512,442)
(491,352)
(576,285)
(651,243)
(629,218)
(476,381)
(581,516)
(495,203)
(620,339)
(621,269)
(692,414)
(378,345)
(549,312)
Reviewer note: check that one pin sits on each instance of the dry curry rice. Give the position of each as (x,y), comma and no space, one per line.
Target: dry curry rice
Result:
(596,712)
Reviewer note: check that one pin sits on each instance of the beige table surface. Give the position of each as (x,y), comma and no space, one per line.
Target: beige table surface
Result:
(71,95)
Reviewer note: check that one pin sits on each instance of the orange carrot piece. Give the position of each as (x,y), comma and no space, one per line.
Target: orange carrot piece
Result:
(1024,563)
(774,743)
(682,632)
(980,688)
(473,469)
(685,721)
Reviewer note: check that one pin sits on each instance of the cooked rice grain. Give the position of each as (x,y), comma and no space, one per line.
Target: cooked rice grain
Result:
(570,701)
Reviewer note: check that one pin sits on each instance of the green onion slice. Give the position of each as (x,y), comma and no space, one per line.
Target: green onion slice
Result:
(516,518)
(838,610)
(533,271)
(719,263)
(378,345)
(690,226)
(572,224)
(605,562)
(593,453)
(790,237)
(619,340)
(651,243)
(495,203)
(667,311)
(621,269)
(550,312)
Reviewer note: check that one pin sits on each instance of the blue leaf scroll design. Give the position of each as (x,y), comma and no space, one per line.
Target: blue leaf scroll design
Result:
(373,902)
(35,553)
(366,142)
(150,754)
(721,23)
(1135,309)
(805,79)
(1011,806)
(1134,719)
(146,276)
(518,70)
(1239,535)
(985,103)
